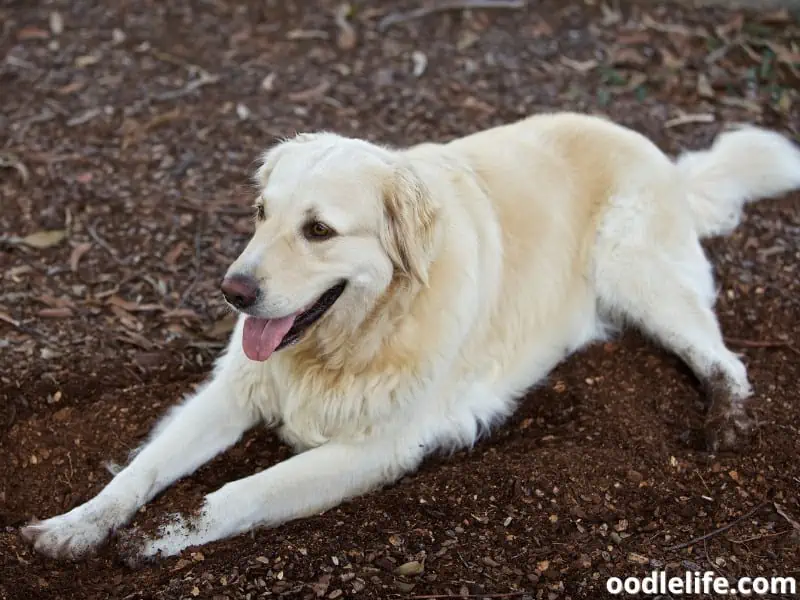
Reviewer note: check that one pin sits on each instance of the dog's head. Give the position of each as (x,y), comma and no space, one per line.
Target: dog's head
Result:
(337,220)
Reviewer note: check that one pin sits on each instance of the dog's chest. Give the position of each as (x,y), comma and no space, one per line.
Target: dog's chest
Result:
(310,408)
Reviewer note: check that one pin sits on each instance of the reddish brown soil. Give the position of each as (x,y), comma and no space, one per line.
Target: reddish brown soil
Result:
(598,472)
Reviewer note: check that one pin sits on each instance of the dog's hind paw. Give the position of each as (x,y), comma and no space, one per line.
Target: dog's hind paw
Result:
(729,428)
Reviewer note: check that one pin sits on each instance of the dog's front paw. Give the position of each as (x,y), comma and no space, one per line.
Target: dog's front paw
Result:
(74,534)
(137,549)
(131,545)
(728,427)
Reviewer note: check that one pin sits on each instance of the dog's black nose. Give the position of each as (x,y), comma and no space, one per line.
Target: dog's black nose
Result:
(240,290)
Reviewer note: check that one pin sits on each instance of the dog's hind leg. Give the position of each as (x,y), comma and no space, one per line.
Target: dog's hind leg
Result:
(663,284)
(195,432)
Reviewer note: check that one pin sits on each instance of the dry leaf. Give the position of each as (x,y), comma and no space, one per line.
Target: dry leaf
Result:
(181,564)
(413,567)
(45,239)
(77,254)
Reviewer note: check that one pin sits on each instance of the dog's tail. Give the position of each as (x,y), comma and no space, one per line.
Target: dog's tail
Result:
(743,165)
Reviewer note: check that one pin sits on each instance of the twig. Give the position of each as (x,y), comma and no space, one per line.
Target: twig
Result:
(84,117)
(9,160)
(753,538)
(688,119)
(742,343)
(5,318)
(104,244)
(434,596)
(443,6)
(204,79)
(782,512)
(691,542)
(197,262)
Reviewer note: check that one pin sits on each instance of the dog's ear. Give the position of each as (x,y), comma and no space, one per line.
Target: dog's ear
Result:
(408,234)
(270,158)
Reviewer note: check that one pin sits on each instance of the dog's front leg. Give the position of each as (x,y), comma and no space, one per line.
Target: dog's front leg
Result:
(306,484)
(194,432)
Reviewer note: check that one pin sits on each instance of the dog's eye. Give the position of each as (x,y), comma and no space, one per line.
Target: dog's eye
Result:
(317,231)
(261,212)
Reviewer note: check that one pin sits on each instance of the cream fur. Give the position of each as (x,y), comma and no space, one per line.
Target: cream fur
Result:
(473,268)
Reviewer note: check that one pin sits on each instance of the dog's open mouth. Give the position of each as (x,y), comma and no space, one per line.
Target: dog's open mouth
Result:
(262,337)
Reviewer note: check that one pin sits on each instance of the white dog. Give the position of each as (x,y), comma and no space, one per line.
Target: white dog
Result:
(395,302)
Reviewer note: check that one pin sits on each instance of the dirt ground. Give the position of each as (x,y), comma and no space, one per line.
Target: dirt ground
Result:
(130,130)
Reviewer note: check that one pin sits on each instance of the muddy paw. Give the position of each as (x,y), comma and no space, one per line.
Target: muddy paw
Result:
(130,546)
(728,428)
(67,537)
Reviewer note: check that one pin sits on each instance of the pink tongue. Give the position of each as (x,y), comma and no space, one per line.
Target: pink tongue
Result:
(262,336)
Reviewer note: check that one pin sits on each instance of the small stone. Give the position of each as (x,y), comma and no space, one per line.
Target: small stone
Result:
(242,111)
(634,476)
(490,562)
(404,586)
(268,83)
